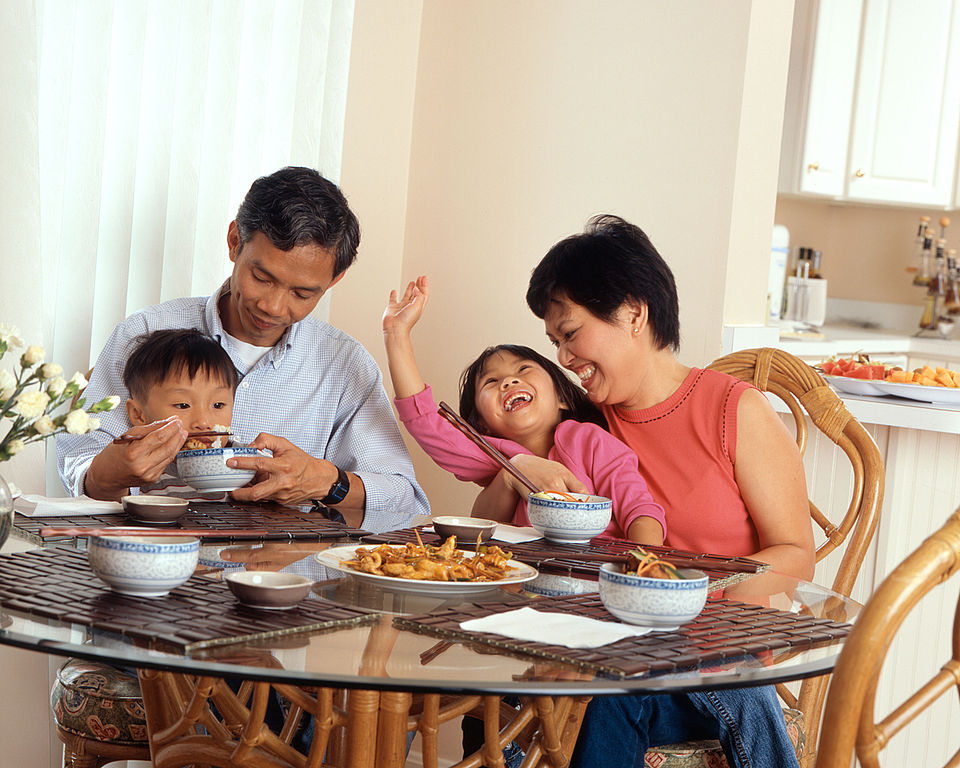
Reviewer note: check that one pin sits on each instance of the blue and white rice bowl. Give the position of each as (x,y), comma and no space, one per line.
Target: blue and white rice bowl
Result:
(556,585)
(206,468)
(570,522)
(143,566)
(652,602)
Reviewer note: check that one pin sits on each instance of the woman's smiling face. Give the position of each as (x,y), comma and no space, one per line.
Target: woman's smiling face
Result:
(602,354)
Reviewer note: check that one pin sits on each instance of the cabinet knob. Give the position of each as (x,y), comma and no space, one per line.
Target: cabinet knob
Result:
(813,166)
(859,173)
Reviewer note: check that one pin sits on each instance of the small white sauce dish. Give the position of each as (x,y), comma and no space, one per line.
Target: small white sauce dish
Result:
(268,590)
(143,566)
(652,602)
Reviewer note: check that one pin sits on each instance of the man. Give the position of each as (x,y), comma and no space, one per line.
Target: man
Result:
(292,240)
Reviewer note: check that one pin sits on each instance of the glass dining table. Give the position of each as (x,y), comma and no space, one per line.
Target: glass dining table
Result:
(359,667)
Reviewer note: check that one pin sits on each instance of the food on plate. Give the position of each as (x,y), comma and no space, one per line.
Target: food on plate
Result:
(643,563)
(862,368)
(432,563)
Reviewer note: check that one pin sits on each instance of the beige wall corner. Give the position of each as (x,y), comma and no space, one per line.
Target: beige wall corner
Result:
(528,118)
(376,161)
(758,153)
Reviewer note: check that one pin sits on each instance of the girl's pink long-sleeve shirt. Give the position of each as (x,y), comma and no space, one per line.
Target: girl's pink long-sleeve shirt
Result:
(598,459)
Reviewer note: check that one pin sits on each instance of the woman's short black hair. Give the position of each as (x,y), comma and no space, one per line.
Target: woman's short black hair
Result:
(579,406)
(160,354)
(611,262)
(297,206)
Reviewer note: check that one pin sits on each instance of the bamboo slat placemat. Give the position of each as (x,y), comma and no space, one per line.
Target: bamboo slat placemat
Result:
(562,559)
(280,523)
(57,583)
(725,631)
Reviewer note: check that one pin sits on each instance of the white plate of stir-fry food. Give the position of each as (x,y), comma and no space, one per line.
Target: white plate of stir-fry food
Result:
(418,567)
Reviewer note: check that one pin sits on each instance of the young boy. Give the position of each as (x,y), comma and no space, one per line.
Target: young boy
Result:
(184,374)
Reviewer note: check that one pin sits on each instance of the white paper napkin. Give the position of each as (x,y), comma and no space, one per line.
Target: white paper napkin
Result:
(565,629)
(514,534)
(32,505)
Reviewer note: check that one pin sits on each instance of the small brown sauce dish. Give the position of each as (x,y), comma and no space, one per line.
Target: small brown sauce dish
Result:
(268,590)
(154,510)
(466,529)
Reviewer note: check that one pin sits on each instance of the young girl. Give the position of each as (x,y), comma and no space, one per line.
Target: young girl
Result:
(526,405)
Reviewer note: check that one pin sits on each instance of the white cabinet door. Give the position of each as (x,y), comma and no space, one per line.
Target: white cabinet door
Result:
(907,110)
(832,68)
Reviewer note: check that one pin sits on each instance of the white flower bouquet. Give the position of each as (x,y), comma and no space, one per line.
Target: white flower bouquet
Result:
(32,393)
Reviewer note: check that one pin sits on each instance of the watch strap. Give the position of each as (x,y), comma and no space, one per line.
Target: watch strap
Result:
(338,491)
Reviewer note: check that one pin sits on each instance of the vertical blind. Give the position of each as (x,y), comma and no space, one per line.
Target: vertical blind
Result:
(154,118)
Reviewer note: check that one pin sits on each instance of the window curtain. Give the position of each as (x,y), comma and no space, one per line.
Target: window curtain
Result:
(154,117)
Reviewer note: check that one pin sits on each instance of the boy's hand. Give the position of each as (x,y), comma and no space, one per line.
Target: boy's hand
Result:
(117,468)
(402,313)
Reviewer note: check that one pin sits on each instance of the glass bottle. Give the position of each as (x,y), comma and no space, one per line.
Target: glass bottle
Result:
(936,290)
(917,257)
(952,300)
(925,265)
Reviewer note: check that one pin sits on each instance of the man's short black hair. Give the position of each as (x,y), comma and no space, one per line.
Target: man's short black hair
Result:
(297,206)
(611,262)
(160,354)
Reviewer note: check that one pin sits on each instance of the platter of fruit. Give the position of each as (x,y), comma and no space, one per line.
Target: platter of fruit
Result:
(859,376)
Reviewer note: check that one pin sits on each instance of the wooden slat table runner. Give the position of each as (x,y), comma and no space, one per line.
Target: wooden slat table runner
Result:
(725,630)
(282,523)
(57,583)
(542,555)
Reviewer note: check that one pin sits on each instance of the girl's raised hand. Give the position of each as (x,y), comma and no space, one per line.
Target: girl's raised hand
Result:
(403,312)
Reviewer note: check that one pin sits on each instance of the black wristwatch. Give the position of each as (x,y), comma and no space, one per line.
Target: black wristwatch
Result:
(338,491)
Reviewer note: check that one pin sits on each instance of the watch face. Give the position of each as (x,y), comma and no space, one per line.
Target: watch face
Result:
(339,490)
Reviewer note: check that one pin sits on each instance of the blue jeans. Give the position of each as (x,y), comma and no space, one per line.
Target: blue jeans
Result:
(617,730)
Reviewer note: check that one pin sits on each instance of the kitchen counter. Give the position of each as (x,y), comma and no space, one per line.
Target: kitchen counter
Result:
(897,347)
(844,340)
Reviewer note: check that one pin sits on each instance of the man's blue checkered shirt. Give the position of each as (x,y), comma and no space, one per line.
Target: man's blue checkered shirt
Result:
(317,387)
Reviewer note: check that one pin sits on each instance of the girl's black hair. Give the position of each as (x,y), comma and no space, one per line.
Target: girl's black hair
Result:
(164,353)
(579,406)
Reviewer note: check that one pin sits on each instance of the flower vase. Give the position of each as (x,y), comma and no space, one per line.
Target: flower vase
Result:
(6,511)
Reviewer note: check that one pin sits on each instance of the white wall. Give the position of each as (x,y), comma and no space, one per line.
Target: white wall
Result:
(527,118)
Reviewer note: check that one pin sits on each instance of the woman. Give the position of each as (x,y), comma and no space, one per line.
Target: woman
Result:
(714,453)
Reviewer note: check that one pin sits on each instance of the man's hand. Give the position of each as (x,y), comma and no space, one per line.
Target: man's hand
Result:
(117,468)
(291,476)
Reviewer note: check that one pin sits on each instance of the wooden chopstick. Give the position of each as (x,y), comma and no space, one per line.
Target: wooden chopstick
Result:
(208,433)
(121,530)
(454,418)
(603,557)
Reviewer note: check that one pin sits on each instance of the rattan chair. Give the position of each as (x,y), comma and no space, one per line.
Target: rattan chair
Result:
(849,715)
(805,393)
